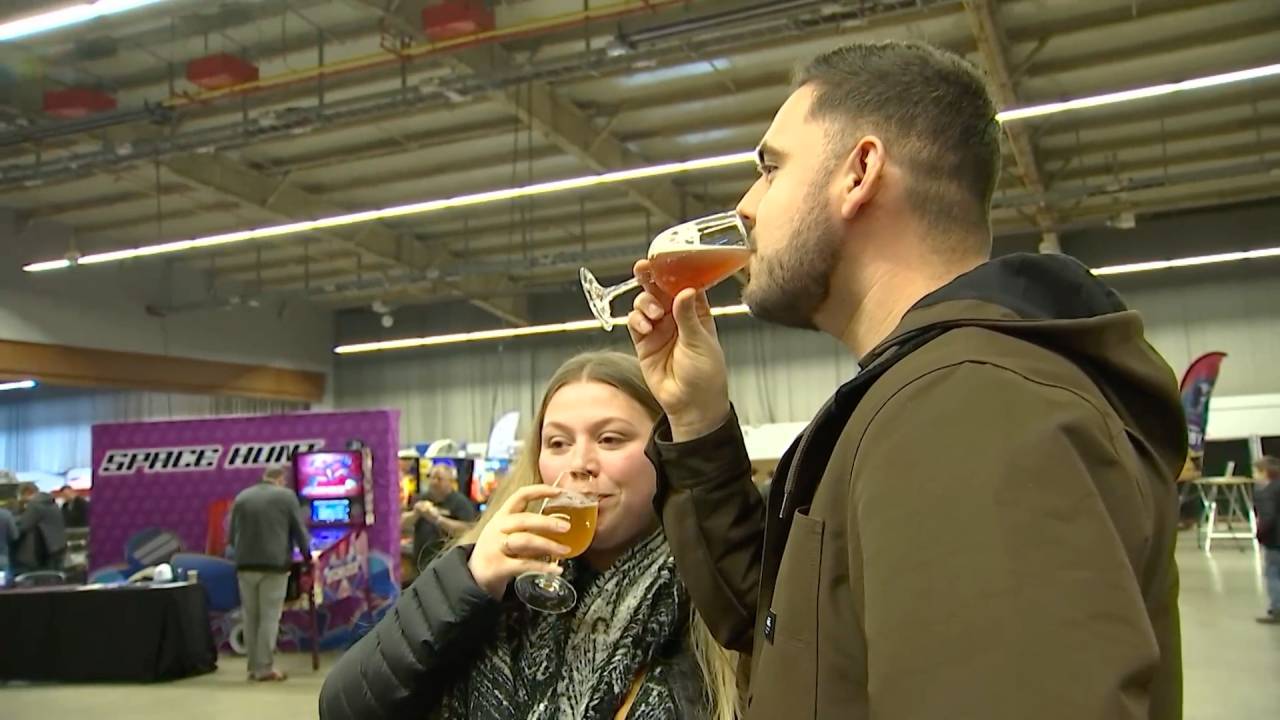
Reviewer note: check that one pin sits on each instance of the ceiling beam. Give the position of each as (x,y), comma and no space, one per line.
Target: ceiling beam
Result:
(1194,38)
(229,178)
(556,118)
(991,46)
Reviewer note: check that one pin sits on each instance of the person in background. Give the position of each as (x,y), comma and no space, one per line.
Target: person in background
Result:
(75,508)
(265,527)
(459,644)
(8,536)
(1266,470)
(42,542)
(439,514)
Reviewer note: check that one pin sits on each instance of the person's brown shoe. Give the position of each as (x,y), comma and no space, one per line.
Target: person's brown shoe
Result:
(1269,619)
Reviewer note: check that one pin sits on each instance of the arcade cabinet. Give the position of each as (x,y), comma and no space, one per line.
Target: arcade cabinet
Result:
(336,492)
(410,470)
(487,479)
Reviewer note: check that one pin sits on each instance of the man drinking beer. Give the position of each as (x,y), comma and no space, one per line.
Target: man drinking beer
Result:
(980,524)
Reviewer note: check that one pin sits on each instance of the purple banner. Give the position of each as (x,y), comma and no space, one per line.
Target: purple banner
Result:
(1197,386)
(167,475)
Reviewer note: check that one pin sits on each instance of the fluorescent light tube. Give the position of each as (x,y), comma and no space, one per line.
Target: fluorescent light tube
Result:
(501,333)
(580,325)
(418,208)
(67,16)
(20,385)
(1138,93)
(1187,262)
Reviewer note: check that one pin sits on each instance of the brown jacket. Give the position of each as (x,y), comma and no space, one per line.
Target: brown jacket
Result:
(979,525)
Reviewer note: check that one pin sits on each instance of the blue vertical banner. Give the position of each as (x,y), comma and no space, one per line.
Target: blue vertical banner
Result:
(1197,386)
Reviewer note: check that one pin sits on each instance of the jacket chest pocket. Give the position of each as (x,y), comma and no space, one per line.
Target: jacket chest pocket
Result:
(785,679)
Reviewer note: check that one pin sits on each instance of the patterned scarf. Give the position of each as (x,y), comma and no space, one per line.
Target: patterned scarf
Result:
(580,665)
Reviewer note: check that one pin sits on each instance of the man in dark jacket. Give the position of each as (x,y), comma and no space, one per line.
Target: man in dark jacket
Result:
(1266,470)
(265,527)
(980,524)
(75,509)
(42,541)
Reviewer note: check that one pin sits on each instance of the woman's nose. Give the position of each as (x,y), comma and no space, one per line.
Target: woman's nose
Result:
(585,460)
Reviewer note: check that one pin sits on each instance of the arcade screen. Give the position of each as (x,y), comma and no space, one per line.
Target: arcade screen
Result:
(408,480)
(329,474)
(486,480)
(328,512)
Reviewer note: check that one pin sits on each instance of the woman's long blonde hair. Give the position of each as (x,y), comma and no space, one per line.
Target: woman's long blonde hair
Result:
(622,372)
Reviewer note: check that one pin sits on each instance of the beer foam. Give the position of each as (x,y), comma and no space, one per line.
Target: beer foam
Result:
(674,249)
(571,499)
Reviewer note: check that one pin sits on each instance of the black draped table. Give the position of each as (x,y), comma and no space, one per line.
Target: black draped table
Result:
(127,633)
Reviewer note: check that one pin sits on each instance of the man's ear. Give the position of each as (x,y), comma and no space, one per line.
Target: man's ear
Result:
(860,175)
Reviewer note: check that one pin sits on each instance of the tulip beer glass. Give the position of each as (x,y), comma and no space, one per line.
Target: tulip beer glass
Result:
(546,592)
(696,254)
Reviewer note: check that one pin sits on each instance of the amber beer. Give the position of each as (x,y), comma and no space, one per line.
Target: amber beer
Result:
(698,267)
(580,511)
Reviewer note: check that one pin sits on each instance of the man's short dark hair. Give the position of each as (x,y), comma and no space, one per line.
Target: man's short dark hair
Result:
(934,113)
(27,488)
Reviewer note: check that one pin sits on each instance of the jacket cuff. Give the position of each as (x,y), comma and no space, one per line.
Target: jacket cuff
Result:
(701,460)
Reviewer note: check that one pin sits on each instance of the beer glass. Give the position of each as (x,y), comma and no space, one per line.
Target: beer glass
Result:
(695,254)
(546,592)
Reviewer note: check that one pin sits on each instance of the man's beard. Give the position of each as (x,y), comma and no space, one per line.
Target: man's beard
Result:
(790,285)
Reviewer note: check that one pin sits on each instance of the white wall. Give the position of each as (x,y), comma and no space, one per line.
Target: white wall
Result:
(1235,313)
(1243,416)
(104,307)
(48,429)
(776,375)
(783,376)
(779,375)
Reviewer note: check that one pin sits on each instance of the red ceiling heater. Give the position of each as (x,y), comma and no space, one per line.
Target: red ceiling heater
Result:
(456,18)
(223,70)
(77,102)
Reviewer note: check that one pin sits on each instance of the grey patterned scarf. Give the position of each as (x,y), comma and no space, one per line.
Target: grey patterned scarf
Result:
(579,665)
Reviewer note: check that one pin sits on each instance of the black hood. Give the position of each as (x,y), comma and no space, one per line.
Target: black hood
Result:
(1033,287)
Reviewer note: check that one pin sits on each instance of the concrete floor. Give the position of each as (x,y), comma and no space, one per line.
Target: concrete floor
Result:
(1232,664)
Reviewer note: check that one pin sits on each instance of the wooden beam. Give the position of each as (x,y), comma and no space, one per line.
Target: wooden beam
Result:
(90,367)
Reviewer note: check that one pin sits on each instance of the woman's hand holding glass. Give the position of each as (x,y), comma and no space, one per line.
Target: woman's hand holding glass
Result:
(513,542)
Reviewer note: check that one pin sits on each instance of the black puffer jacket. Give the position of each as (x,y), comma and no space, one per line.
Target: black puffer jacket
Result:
(403,666)
(442,625)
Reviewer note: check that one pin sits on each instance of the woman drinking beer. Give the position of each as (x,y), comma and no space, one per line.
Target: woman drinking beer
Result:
(458,644)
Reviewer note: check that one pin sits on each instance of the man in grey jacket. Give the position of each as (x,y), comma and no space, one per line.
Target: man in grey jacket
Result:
(42,544)
(265,527)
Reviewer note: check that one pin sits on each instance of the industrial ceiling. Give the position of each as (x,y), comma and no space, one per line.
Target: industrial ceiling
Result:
(357,106)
